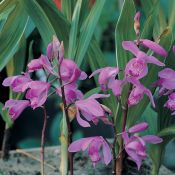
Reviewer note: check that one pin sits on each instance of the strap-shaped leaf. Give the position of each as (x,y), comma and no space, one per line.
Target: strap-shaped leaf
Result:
(40,20)
(124,31)
(67,8)
(170,131)
(57,20)
(87,30)
(74,30)
(12,31)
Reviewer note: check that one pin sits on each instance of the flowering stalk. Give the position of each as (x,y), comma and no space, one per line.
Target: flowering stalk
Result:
(119,162)
(5,143)
(43,140)
(70,155)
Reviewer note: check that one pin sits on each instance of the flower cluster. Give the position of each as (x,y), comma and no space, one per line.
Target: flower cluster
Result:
(166,82)
(135,146)
(88,110)
(135,70)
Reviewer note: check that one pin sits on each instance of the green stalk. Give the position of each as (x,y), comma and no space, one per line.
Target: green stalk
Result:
(64,146)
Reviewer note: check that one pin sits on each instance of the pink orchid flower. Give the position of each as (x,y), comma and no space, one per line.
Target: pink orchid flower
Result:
(137,67)
(70,72)
(17,83)
(93,145)
(116,86)
(71,93)
(91,110)
(41,63)
(137,94)
(105,75)
(37,93)
(16,107)
(170,104)
(136,148)
(167,79)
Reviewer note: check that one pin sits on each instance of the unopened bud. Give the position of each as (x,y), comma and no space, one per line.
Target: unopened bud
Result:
(137,23)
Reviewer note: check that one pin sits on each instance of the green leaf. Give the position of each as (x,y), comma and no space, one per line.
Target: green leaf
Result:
(5,116)
(92,91)
(171,21)
(67,8)
(124,31)
(170,131)
(74,30)
(13,67)
(40,20)
(60,25)
(87,30)
(12,31)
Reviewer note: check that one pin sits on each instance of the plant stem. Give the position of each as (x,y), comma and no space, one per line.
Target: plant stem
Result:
(119,162)
(43,140)
(113,151)
(6,143)
(70,155)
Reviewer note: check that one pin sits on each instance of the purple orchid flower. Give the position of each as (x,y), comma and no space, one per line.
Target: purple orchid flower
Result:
(70,72)
(136,148)
(137,67)
(137,94)
(17,83)
(37,93)
(71,93)
(16,107)
(105,75)
(116,86)
(40,63)
(93,144)
(167,79)
(170,104)
(91,109)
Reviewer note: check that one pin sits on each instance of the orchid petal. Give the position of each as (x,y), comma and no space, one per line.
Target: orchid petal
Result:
(130,46)
(106,153)
(138,127)
(148,92)
(82,122)
(153,60)
(154,46)
(152,139)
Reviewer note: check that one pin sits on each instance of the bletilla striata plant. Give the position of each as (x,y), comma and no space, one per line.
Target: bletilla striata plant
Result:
(89,110)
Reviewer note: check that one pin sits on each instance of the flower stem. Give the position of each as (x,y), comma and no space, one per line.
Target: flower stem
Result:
(43,140)
(70,155)
(119,162)
(114,152)
(5,143)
